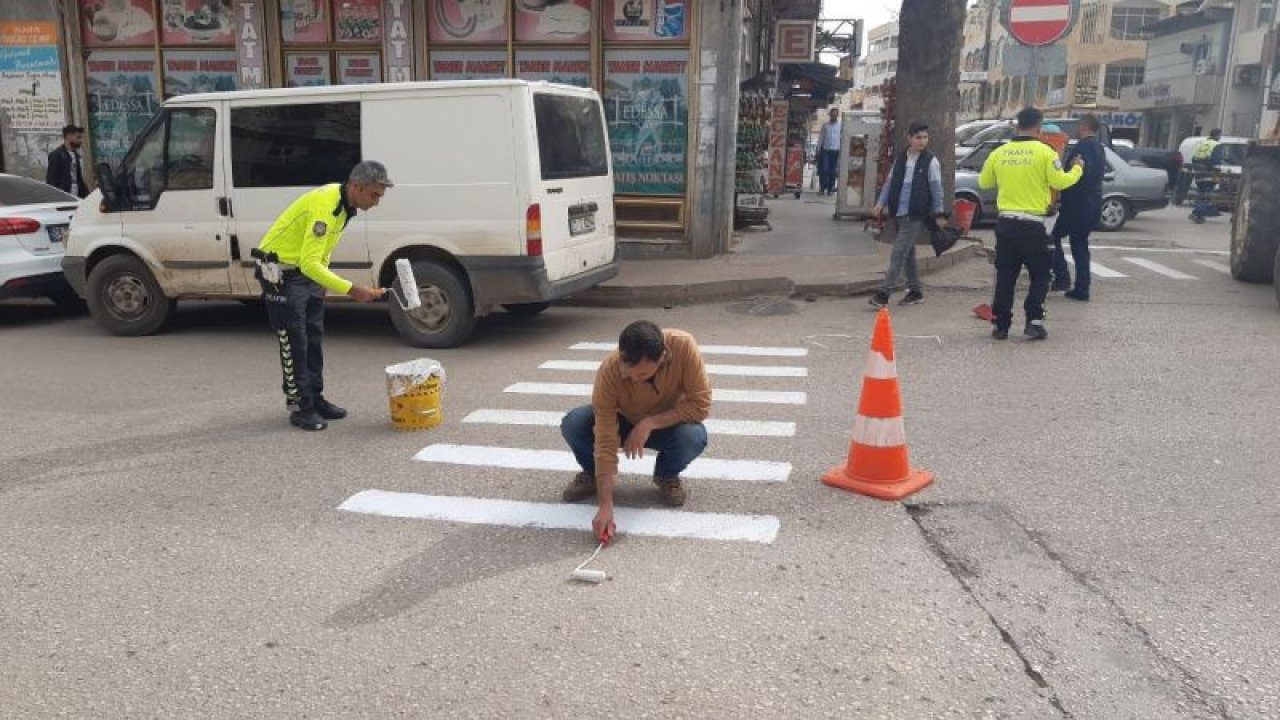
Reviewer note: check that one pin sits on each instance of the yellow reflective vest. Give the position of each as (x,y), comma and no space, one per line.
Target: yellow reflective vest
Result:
(1025,170)
(306,232)
(1204,150)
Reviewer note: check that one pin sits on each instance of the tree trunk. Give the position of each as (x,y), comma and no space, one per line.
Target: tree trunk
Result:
(930,37)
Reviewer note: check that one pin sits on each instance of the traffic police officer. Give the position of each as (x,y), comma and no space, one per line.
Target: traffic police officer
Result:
(293,269)
(1025,169)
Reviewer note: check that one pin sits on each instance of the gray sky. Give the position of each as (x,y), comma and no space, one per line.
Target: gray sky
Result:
(872,12)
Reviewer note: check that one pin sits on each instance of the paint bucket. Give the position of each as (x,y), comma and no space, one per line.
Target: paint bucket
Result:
(414,389)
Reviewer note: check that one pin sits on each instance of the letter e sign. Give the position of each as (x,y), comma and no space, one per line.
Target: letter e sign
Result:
(795,41)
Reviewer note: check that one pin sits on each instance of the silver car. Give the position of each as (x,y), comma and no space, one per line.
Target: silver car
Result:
(1126,189)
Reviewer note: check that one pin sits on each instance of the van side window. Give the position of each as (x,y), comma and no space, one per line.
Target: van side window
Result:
(175,154)
(571,139)
(294,145)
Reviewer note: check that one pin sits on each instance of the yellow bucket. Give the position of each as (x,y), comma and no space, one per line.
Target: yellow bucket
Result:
(414,389)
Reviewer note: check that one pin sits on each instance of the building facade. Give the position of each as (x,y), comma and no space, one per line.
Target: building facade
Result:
(881,63)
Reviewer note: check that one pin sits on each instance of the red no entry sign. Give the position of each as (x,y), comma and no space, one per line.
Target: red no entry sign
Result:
(1039,22)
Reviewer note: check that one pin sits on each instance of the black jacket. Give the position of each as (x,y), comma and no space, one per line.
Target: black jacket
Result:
(59,173)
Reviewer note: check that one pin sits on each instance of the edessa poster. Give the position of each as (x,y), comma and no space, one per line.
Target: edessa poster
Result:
(122,99)
(646,104)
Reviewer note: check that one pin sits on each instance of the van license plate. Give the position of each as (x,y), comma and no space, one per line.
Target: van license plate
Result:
(582,225)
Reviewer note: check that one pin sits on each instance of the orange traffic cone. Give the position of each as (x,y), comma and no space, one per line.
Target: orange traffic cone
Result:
(878,464)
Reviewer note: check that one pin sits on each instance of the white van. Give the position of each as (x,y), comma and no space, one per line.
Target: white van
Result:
(503,198)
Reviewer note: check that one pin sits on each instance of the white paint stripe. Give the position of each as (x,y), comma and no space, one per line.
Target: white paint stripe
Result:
(879,432)
(767,397)
(880,368)
(713,349)
(1180,251)
(740,370)
(1214,265)
(513,513)
(1040,13)
(562,460)
(1158,268)
(763,428)
(1096,268)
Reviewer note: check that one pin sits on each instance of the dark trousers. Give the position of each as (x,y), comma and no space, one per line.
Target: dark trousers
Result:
(1204,192)
(295,310)
(677,445)
(828,168)
(1075,222)
(1021,243)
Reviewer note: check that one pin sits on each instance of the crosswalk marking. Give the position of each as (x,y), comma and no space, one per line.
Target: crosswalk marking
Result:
(759,428)
(1158,268)
(768,397)
(1099,269)
(1214,265)
(739,370)
(514,513)
(765,471)
(713,349)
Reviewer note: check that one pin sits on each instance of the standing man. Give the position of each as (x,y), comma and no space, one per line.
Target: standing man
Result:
(293,269)
(65,164)
(829,154)
(1207,157)
(914,195)
(652,392)
(1080,209)
(1025,169)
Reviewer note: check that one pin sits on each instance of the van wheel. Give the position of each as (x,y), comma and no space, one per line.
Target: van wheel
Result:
(526,309)
(125,298)
(447,315)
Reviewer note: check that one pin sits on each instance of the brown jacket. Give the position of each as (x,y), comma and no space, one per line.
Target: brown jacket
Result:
(680,383)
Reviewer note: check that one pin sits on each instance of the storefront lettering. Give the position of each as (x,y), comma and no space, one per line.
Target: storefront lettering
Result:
(248,32)
(398,43)
(252,71)
(1154,91)
(625,67)
(573,66)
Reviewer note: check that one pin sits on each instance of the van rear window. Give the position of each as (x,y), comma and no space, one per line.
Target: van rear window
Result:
(571,139)
(294,145)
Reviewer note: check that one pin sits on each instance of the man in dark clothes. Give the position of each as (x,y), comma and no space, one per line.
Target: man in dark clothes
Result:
(1080,209)
(65,163)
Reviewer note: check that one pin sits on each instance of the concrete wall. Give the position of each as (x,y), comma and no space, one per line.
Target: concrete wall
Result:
(719,49)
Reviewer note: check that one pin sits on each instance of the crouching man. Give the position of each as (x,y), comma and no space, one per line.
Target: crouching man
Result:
(652,392)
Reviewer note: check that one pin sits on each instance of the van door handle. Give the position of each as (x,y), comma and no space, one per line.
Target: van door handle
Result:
(224,206)
(235,246)
(555,191)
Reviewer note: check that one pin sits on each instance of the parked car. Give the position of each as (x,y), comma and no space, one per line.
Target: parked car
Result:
(1232,162)
(34,218)
(1126,189)
(1158,158)
(1007,129)
(966,132)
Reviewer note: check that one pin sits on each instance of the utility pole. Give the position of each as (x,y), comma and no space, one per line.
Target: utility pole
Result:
(985,90)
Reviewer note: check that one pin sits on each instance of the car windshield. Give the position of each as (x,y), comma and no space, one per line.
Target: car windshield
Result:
(16,190)
(965,133)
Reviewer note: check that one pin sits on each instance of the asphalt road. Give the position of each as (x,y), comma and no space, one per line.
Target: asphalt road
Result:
(1100,542)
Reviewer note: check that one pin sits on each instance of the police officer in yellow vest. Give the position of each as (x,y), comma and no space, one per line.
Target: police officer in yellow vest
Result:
(293,269)
(1206,158)
(1024,169)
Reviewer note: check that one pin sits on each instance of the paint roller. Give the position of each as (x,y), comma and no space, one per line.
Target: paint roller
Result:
(408,294)
(581,574)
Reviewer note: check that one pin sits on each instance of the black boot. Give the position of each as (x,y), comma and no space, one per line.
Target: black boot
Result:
(328,410)
(306,417)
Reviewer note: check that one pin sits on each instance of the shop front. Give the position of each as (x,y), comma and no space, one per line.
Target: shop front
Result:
(644,57)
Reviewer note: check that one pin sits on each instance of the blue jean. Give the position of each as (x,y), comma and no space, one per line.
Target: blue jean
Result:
(1204,208)
(828,168)
(677,445)
(1076,222)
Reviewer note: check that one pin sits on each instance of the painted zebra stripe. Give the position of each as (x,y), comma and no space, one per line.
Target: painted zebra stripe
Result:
(764,471)
(767,397)
(1214,265)
(1099,269)
(739,370)
(760,428)
(1161,269)
(514,513)
(712,349)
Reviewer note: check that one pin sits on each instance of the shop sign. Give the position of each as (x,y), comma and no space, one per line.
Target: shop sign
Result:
(468,21)
(555,22)
(397,45)
(358,68)
(198,71)
(117,23)
(197,22)
(31,108)
(249,49)
(569,67)
(646,20)
(358,20)
(468,64)
(307,69)
(647,109)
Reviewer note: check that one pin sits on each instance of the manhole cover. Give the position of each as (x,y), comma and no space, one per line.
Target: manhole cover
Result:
(764,307)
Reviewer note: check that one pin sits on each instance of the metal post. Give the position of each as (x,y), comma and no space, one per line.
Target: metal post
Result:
(986,62)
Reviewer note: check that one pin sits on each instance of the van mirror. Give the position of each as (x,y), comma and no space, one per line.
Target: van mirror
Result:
(107,183)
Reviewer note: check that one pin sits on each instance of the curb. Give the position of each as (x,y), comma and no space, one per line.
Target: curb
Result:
(650,296)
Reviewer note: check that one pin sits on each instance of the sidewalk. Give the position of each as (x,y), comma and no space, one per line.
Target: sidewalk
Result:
(804,253)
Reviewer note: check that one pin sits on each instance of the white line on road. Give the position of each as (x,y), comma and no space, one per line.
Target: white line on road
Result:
(765,471)
(1158,268)
(1181,251)
(713,349)
(1214,265)
(513,513)
(1099,269)
(761,428)
(739,370)
(768,397)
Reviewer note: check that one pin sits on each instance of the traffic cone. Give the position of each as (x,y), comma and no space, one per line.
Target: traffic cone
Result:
(878,465)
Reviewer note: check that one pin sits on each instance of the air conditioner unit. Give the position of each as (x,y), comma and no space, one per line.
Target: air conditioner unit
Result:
(1248,75)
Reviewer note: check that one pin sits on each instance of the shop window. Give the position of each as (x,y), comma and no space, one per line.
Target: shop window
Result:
(176,153)
(646,105)
(117,23)
(567,21)
(122,99)
(641,21)
(571,140)
(468,21)
(294,145)
(304,21)
(309,69)
(359,68)
(196,22)
(565,66)
(468,64)
(357,21)
(198,71)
